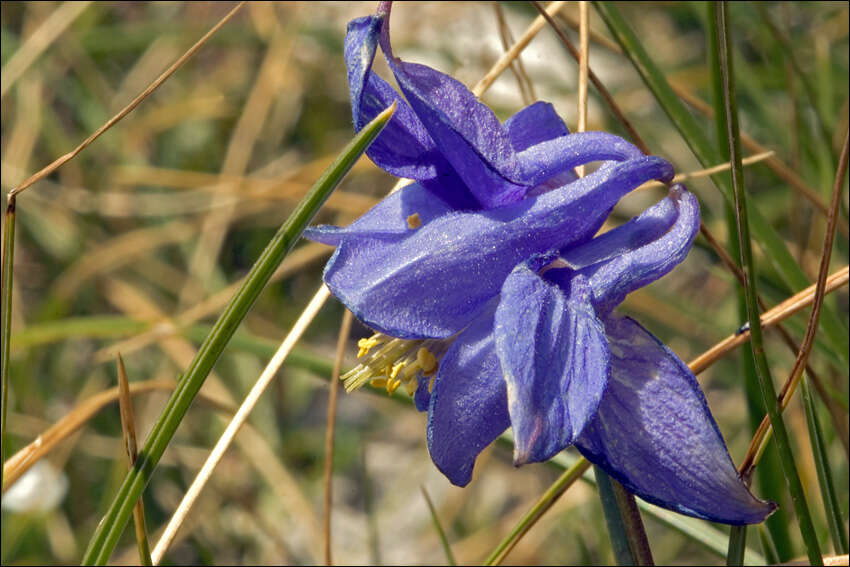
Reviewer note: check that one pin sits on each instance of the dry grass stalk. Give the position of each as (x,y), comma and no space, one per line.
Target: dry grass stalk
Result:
(128,428)
(127,109)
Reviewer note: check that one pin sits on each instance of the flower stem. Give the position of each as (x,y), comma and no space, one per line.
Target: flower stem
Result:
(625,527)
(737,545)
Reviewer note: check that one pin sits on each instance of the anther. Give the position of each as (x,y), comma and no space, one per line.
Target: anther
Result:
(366,345)
(411,386)
(414,221)
(426,361)
(396,369)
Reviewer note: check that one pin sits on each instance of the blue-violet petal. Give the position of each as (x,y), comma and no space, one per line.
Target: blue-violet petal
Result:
(404,147)
(554,357)
(533,124)
(470,136)
(394,217)
(654,433)
(467,408)
(434,282)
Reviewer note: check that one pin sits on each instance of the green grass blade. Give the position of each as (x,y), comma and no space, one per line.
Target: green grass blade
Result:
(771,555)
(84,327)
(555,491)
(700,144)
(450,558)
(827,485)
(110,528)
(770,477)
(6,315)
(748,264)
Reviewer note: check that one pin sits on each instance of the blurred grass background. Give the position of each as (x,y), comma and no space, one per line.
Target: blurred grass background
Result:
(127,246)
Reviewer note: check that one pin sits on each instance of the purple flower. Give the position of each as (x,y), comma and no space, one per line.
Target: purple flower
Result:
(489,259)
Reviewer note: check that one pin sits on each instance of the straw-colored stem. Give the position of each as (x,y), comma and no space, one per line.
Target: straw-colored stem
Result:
(769,318)
(108,531)
(603,92)
(333,393)
(22,460)
(236,423)
(508,57)
(584,45)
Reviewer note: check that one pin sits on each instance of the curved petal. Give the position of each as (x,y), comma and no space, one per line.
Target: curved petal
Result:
(636,253)
(390,219)
(468,408)
(404,148)
(467,132)
(654,433)
(555,156)
(554,357)
(534,124)
(435,281)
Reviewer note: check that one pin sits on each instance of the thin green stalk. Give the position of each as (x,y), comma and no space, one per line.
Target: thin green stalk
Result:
(770,477)
(8,261)
(700,144)
(737,545)
(110,528)
(737,534)
(539,508)
(450,558)
(756,339)
(827,485)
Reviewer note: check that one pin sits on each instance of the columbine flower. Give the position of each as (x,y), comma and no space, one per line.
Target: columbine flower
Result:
(489,261)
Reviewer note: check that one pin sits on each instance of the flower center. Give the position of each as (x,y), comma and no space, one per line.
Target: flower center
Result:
(394,362)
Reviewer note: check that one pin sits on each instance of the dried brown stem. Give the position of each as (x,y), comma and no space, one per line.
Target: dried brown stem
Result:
(21,461)
(774,163)
(790,386)
(333,392)
(603,92)
(128,429)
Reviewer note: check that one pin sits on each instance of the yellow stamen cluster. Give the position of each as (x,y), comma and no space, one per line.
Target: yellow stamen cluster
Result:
(395,362)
